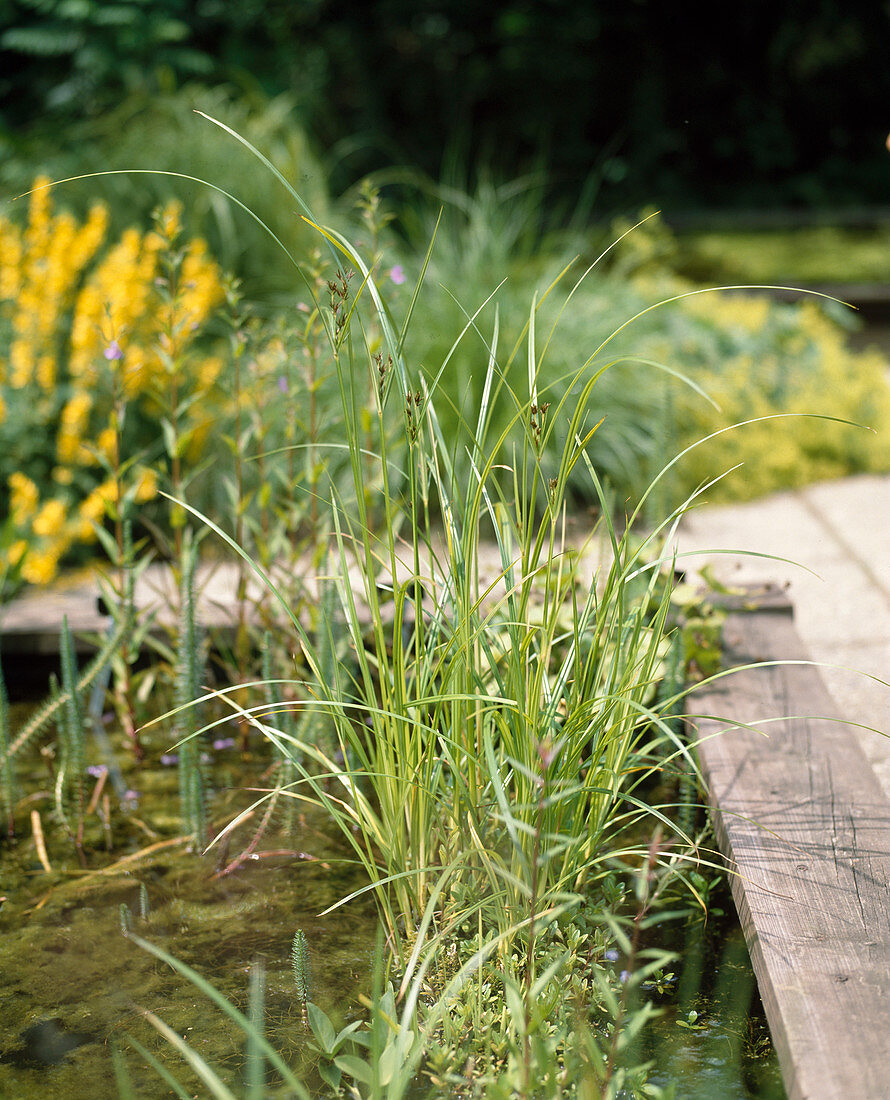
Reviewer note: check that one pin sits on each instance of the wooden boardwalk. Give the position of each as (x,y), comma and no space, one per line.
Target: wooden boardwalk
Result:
(805,824)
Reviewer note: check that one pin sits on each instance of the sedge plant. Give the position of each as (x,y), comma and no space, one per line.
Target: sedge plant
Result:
(489,723)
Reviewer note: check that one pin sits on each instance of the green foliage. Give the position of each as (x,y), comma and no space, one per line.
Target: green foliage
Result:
(189,663)
(51,710)
(804,255)
(491,731)
(85,52)
(762,359)
(72,767)
(659,375)
(482,733)
(159,132)
(609,102)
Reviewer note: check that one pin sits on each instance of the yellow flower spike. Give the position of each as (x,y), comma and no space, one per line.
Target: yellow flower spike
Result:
(40,566)
(21,363)
(147,486)
(50,520)
(106,443)
(92,509)
(16,552)
(108,491)
(11,254)
(24,498)
(46,373)
(136,374)
(66,306)
(209,370)
(170,222)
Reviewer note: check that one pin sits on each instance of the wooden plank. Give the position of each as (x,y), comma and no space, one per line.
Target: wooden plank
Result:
(800,815)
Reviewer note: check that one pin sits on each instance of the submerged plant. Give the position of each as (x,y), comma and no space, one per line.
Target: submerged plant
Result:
(70,781)
(302,971)
(192,787)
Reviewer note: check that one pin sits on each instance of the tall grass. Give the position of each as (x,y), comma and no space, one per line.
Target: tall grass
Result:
(489,720)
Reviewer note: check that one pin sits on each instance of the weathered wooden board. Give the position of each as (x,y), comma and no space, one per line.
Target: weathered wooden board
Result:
(803,820)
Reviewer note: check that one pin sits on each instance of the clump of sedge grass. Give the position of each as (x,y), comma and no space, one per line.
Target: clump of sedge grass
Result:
(490,723)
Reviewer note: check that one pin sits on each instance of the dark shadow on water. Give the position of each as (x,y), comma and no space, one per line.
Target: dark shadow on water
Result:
(711,1041)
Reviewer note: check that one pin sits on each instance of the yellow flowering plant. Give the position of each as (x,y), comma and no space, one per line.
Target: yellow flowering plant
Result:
(755,357)
(768,359)
(102,349)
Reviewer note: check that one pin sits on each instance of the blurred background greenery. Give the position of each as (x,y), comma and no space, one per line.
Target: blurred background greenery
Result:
(543,128)
(778,106)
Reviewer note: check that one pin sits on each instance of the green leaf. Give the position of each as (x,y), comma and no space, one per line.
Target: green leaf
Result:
(169,438)
(322,1028)
(330,1074)
(355,1068)
(346,1032)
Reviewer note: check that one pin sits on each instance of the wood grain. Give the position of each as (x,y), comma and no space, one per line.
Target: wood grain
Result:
(802,819)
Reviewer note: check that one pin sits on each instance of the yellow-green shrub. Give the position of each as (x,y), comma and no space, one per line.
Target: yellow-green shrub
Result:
(771,358)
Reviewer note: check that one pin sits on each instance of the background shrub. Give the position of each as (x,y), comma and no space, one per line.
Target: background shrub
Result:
(148,135)
(751,355)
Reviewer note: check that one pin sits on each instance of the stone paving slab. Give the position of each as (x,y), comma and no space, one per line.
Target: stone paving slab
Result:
(31,623)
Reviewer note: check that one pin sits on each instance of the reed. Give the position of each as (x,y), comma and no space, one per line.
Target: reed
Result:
(480,735)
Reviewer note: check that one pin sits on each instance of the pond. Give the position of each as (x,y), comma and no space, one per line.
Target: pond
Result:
(712,1040)
(75,984)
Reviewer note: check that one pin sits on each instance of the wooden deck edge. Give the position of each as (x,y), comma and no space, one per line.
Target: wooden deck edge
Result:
(805,825)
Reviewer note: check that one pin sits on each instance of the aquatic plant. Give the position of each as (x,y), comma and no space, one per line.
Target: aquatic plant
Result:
(493,725)
(481,733)
(302,970)
(192,786)
(8,787)
(70,800)
(50,710)
(210,1077)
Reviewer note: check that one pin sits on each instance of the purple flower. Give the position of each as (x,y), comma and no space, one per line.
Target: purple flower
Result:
(113,351)
(397,274)
(624,976)
(169,758)
(611,955)
(224,743)
(97,770)
(282,384)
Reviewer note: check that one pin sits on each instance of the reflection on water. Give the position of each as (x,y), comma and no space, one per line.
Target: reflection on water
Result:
(711,1041)
(73,985)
